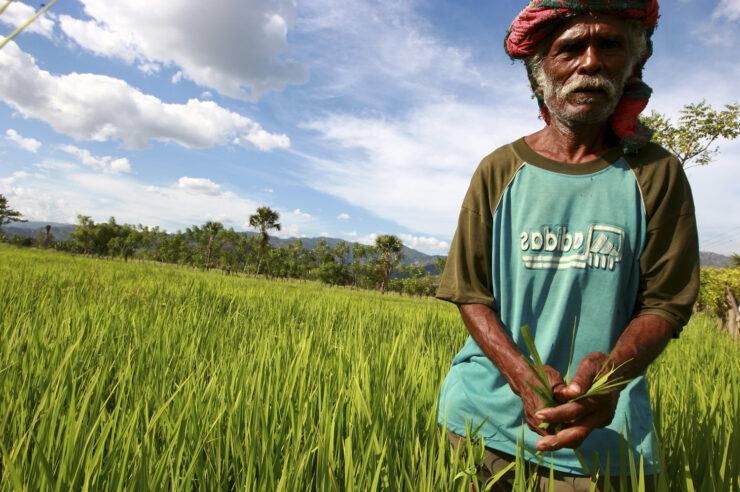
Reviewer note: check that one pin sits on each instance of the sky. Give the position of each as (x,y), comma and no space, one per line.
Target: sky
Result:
(351,118)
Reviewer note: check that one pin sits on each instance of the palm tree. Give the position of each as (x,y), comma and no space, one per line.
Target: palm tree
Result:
(388,250)
(264,220)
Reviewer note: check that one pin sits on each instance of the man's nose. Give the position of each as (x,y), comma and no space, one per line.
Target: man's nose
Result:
(591,62)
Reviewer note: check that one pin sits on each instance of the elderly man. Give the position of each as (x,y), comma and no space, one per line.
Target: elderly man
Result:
(583,222)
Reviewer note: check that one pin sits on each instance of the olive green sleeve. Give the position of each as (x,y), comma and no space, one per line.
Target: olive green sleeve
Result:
(669,264)
(467,275)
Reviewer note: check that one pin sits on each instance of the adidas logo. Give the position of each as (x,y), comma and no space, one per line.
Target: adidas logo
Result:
(556,248)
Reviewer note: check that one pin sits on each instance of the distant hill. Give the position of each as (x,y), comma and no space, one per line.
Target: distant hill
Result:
(32,229)
(714,260)
(413,257)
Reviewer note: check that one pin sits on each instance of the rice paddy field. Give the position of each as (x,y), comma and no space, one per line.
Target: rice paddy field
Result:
(132,376)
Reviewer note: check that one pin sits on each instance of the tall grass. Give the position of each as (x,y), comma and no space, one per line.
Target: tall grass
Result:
(121,376)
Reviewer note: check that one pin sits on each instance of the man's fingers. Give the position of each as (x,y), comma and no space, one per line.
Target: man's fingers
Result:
(557,383)
(587,371)
(571,436)
(554,377)
(567,412)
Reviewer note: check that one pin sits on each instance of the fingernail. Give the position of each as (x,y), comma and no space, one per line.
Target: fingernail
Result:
(539,415)
(574,387)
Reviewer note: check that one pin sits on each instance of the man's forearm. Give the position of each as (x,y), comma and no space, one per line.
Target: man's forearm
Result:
(487,331)
(485,328)
(641,342)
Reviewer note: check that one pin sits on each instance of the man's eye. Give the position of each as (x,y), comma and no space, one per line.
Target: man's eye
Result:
(568,48)
(611,44)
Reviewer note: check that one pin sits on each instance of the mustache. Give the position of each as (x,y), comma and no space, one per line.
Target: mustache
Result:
(589,82)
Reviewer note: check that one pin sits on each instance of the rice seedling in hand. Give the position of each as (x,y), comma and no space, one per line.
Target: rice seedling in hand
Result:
(604,381)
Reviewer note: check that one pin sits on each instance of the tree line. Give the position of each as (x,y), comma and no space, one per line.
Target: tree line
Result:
(212,246)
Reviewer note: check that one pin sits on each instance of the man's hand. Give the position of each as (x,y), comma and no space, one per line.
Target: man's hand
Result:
(580,417)
(532,402)
(485,328)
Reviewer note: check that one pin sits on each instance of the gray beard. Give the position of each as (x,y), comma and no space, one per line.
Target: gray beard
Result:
(556,92)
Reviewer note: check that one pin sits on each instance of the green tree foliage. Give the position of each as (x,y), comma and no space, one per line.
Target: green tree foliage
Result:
(735,260)
(333,265)
(83,234)
(387,256)
(692,139)
(172,248)
(209,240)
(265,220)
(8,215)
(440,263)
(718,295)
(45,238)
(110,238)
(359,266)
(413,281)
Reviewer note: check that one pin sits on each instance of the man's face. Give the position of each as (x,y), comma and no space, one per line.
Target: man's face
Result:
(585,69)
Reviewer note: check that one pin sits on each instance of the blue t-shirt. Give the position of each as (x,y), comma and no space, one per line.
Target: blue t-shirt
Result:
(565,247)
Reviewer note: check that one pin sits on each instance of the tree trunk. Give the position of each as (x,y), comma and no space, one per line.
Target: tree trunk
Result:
(259,262)
(733,315)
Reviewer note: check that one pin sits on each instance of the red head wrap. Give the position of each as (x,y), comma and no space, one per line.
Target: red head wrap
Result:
(540,18)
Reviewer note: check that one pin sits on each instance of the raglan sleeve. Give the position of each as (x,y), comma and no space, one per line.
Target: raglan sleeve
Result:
(669,264)
(466,278)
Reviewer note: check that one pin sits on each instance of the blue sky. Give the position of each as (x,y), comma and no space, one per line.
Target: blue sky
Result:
(351,118)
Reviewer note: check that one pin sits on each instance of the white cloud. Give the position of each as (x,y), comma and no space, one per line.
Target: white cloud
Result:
(18,13)
(368,240)
(206,95)
(324,234)
(237,47)
(107,164)
(288,231)
(149,68)
(434,111)
(301,214)
(13,177)
(223,218)
(373,48)
(269,190)
(263,140)
(98,39)
(101,108)
(177,77)
(423,242)
(64,194)
(414,169)
(350,234)
(728,9)
(29,144)
(343,216)
(199,186)
(120,165)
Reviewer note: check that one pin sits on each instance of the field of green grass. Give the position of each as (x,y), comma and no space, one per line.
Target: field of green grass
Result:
(132,376)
